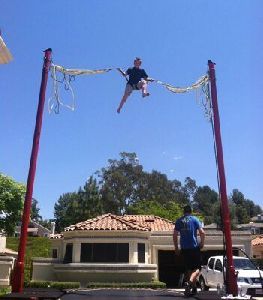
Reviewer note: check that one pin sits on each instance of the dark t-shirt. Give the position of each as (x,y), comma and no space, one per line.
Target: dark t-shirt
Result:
(135,75)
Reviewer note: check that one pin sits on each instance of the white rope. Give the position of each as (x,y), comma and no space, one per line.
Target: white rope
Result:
(54,102)
(201,86)
(5,55)
(75,72)
(202,80)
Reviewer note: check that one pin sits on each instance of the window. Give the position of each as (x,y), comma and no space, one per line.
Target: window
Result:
(68,254)
(211,263)
(54,253)
(102,252)
(141,253)
(218,266)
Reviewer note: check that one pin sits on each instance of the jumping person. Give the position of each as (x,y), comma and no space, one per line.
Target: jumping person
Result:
(137,81)
(188,226)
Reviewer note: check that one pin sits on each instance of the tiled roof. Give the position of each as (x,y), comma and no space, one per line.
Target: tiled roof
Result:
(124,223)
(257,241)
(153,222)
(56,236)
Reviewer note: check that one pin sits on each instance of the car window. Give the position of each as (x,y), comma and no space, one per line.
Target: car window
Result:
(243,263)
(211,263)
(218,265)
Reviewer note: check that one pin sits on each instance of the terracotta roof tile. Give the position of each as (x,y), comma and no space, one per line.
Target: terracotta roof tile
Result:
(107,222)
(56,236)
(257,241)
(153,222)
(126,222)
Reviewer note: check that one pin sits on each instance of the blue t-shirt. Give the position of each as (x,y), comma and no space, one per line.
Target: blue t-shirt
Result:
(135,75)
(188,226)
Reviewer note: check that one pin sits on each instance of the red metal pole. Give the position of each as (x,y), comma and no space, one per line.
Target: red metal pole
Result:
(230,270)
(18,278)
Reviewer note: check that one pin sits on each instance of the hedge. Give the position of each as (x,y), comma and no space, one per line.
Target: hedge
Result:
(35,247)
(54,284)
(152,285)
(4,291)
(91,285)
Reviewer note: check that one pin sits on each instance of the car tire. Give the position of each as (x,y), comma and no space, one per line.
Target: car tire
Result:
(203,286)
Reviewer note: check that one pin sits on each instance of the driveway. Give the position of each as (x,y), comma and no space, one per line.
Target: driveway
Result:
(132,294)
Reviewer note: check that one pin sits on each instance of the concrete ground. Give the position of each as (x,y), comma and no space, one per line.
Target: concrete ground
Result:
(143,294)
(132,294)
(114,294)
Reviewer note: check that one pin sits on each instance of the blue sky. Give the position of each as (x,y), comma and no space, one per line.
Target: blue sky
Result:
(168,131)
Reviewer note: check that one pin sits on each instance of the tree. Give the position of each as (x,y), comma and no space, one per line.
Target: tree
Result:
(155,186)
(203,202)
(75,207)
(119,181)
(90,204)
(63,211)
(11,203)
(124,183)
(35,216)
(171,211)
(124,187)
(189,189)
(241,208)
(217,218)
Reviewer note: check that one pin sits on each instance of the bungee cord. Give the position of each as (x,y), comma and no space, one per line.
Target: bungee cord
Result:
(68,75)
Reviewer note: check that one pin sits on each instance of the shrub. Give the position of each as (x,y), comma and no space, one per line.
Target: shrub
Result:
(4,291)
(35,247)
(152,285)
(54,284)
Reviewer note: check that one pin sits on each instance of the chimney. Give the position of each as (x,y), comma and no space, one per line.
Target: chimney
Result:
(53,224)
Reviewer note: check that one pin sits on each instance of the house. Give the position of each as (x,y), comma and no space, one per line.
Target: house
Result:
(34,229)
(7,259)
(257,247)
(129,248)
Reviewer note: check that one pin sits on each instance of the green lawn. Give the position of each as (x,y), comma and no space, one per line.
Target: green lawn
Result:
(36,247)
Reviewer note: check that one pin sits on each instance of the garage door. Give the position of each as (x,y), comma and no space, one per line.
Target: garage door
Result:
(171,266)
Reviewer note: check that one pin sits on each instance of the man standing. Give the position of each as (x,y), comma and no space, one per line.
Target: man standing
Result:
(188,226)
(137,81)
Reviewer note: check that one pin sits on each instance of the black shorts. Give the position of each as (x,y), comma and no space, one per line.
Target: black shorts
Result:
(192,258)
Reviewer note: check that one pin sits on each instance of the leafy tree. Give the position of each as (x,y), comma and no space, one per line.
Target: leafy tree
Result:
(90,203)
(11,203)
(124,183)
(216,211)
(189,189)
(203,201)
(75,207)
(118,182)
(124,187)
(63,211)
(35,216)
(241,208)
(155,186)
(170,211)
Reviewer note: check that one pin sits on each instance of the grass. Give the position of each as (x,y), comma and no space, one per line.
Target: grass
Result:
(36,247)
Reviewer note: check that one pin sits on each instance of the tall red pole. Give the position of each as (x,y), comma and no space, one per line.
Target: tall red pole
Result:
(18,279)
(230,270)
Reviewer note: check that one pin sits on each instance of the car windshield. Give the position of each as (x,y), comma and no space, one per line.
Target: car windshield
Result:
(244,264)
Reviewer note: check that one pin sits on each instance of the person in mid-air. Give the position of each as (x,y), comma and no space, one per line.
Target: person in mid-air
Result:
(137,81)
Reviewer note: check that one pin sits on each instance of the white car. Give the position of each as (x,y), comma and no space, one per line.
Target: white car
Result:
(249,278)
